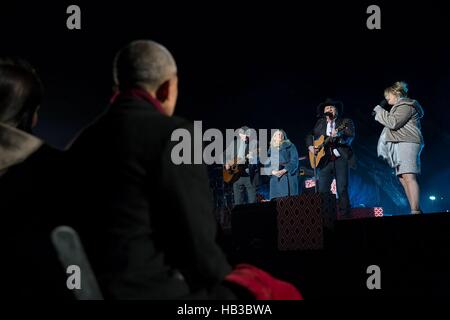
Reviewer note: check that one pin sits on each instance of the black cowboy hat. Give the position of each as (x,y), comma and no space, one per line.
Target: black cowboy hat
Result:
(330,102)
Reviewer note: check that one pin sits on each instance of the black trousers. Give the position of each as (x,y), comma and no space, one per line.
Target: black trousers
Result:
(244,191)
(336,169)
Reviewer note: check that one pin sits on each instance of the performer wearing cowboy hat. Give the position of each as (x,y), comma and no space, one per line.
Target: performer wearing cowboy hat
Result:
(338,152)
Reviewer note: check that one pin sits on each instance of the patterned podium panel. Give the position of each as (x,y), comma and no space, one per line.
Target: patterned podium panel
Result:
(301,220)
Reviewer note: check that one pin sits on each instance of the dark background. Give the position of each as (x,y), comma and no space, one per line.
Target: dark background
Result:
(261,65)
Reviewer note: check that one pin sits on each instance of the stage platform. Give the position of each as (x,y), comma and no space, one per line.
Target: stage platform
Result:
(411,253)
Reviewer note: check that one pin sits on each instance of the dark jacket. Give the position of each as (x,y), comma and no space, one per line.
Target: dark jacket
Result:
(29,204)
(343,144)
(147,224)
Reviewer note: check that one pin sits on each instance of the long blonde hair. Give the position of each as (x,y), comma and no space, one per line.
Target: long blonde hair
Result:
(273,144)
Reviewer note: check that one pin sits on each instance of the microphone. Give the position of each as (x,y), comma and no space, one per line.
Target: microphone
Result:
(329,115)
(382,104)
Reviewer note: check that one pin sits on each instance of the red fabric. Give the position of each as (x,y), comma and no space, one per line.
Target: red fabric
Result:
(261,284)
(140,94)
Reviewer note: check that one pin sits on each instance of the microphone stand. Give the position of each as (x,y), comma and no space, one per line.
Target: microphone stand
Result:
(315,172)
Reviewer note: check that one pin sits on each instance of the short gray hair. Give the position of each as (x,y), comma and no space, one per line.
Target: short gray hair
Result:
(143,62)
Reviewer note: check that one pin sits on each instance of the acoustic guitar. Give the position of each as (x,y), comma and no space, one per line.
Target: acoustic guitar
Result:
(320,144)
(234,173)
(236,168)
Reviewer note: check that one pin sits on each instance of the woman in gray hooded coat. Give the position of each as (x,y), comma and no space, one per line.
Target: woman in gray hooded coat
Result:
(30,184)
(401,140)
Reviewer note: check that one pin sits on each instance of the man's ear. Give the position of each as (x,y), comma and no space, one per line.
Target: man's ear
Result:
(35,119)
(162,94)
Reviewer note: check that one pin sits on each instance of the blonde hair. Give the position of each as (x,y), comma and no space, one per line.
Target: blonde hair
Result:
(400,89)
(284,140)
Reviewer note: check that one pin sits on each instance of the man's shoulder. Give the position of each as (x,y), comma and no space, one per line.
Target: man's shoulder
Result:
(320,122)
(165,126)
(178,122)
(144,113)
(133,117)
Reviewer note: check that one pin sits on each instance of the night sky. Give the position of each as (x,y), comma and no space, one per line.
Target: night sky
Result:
(261,65)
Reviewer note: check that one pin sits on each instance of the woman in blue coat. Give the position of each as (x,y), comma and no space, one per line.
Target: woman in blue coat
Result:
(283,165)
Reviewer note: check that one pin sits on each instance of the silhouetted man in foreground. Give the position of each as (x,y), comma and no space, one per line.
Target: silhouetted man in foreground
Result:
(147,224)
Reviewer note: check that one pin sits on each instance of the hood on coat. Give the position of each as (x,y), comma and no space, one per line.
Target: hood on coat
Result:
(15,146)
(413,103)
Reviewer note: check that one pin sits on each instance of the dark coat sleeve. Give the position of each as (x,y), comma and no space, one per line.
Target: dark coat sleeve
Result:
(348,134)
(314,132)
(189,223)
(292,165)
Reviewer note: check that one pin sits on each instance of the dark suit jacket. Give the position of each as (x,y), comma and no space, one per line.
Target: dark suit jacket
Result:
(147,224)
(344,142)
(251,166)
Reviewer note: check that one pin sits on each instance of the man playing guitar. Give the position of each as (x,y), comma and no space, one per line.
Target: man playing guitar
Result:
(338,134)
(240,171)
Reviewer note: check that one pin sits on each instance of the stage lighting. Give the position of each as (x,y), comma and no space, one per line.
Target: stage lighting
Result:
(432,198)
